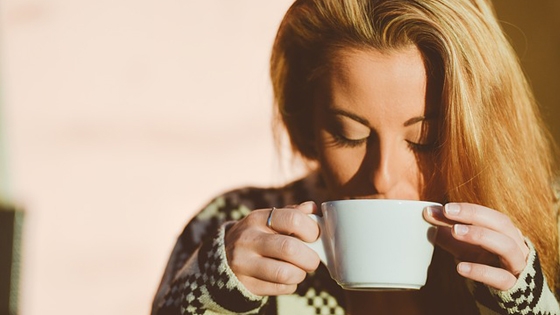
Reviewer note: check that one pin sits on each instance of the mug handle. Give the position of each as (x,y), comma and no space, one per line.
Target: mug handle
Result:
(318,245)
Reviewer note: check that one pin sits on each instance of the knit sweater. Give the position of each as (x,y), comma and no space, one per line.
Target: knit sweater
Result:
(198,280)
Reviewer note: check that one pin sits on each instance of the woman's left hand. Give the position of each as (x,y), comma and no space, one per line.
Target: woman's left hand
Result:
(489,247)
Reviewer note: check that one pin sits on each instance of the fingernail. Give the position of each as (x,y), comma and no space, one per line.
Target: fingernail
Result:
(460,229)
(434,211)
(452,208)
(464,268)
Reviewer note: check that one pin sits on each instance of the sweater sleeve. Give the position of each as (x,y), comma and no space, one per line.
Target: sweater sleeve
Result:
(198,279)
(530,294)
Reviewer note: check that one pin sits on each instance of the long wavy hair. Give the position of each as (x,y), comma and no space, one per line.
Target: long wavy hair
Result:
(494,149)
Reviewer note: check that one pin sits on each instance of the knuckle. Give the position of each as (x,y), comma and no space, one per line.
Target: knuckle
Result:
(315,261)
(511,249)
(288,248)
(283,275)
(235,264)
(294,219)
(513,258)
(299,276)
(285,288)
(516,270)
(504,222)
(310,259)
(476,235)
(251,218)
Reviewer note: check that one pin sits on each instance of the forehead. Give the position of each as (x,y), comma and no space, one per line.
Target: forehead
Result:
(404,61)
(372,82)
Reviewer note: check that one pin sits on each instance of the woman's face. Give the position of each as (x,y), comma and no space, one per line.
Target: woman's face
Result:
(375,131)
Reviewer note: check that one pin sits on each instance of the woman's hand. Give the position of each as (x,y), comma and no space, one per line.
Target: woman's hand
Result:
(489,247)
(273,260)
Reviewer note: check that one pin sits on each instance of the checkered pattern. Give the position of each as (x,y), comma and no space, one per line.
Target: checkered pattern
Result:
(530,295)
(198,279)
(323,303)
(521,301)
(527,296)
(209,284)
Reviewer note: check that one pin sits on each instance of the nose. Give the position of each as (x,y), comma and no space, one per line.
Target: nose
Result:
(386,168)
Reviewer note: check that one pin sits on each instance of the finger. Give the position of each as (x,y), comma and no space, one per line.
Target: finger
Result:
(497,278)
(485,217)
(459,249)
(248,264)
(435,216)
(294,222)
(308,207)
(511,256)
(265,288)
(482,216)
(266,276)
(445,240)
(291,250)
(275,271)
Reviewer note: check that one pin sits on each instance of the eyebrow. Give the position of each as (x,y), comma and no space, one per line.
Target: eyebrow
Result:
(365,122)
(414,120)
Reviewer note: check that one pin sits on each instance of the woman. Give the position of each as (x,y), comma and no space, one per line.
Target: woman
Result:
(396,99)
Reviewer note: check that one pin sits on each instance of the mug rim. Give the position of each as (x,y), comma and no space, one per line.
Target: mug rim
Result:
(400,201)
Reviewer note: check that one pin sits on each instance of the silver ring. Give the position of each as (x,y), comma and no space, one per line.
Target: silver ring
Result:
(269,219)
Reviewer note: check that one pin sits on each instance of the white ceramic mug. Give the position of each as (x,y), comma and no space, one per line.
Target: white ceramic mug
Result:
(375,244)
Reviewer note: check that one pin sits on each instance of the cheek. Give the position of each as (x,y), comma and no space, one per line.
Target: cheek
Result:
(340,165)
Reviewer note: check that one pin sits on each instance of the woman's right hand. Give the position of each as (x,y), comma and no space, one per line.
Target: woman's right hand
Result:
(273,261)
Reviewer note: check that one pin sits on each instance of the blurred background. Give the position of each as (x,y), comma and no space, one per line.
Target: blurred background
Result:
(119,119)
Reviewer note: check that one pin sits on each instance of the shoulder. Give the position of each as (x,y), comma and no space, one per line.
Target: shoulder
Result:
(249,198)
(237,203)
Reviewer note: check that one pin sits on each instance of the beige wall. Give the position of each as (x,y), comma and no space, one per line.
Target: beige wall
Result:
(121,118)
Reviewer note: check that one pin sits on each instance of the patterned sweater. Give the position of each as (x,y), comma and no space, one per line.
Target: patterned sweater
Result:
(198,280)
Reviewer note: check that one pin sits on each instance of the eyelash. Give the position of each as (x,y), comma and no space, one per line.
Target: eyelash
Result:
(349,143)
(417,147)
(420,148)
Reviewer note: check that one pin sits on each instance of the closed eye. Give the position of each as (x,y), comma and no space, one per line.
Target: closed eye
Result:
(421,147)
(350,143)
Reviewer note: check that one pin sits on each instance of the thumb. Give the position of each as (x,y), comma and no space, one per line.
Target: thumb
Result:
(308,207)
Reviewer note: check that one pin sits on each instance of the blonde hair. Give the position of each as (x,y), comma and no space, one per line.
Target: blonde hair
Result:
(494,148)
